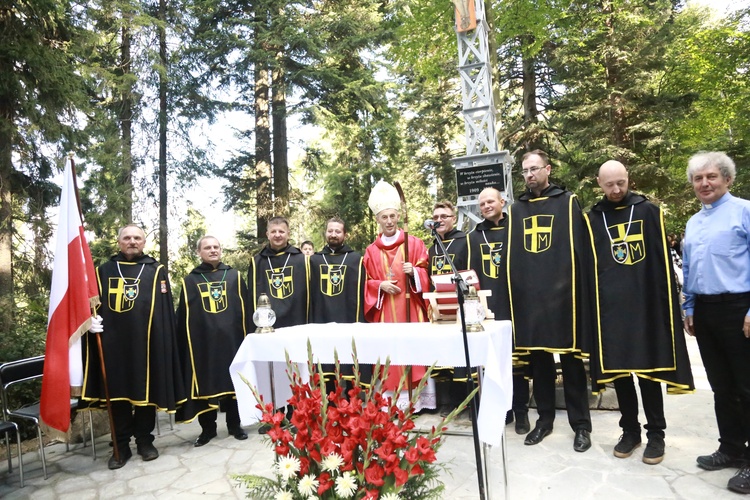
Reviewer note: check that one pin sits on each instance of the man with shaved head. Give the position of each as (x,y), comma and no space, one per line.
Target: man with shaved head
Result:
(487,248)
(640,325)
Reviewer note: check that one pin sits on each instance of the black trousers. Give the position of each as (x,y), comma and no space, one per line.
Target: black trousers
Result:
(229,405)
(520,394)
(575,388)
(653,405)
(725,352)
(135,421)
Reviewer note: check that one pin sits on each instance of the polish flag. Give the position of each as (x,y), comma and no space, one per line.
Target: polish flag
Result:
(73,293)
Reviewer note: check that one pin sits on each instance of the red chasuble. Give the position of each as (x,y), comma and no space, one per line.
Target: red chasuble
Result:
(385,263)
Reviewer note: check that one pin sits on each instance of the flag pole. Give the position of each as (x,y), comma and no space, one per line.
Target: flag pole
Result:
(115,448)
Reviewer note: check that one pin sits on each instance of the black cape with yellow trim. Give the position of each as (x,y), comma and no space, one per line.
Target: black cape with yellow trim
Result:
(455,244)
(211,325)
(337,295)
(549,272)
(286,282)
(487,249)
(337,290)
(638,312)
(139,341)
(487,245)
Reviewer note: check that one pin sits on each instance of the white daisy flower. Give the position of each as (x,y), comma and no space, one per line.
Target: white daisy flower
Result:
(346,485)
(308,485)
(332,462)
(283,495)
(288,467)
(390,496)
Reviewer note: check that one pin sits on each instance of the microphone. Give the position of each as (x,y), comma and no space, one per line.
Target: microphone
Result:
(430,224)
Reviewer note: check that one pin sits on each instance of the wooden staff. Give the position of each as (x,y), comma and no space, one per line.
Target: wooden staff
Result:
(406,247)
(408,278)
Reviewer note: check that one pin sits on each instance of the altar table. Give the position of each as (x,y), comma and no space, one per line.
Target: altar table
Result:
(405,344)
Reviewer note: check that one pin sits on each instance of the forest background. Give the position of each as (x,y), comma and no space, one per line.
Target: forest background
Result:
(356,90)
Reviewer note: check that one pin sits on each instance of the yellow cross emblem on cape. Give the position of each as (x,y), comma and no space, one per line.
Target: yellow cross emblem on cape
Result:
(213,296)
(537,233)
(280,283)
(634,245)
(492,258)
(122,294)
(332,279)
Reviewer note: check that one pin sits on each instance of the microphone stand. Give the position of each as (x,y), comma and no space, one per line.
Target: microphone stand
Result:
(461,290)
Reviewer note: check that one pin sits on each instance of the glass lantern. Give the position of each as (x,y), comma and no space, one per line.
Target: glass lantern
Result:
(264,317)
(474,310)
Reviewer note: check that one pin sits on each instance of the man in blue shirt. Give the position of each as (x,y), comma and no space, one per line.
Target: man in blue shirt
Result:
(716,266)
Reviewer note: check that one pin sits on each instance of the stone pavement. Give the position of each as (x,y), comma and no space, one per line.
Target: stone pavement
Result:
(550,470)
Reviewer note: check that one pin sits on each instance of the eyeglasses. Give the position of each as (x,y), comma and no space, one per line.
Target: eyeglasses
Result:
(442,217)
(532,170)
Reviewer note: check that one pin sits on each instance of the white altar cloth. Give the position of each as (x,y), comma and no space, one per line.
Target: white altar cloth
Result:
(405,343)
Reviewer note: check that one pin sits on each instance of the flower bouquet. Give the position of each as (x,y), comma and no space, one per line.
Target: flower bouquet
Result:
(349,443)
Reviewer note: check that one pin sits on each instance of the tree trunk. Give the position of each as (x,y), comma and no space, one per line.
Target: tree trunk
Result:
(532,141)
(126,124)
(7,128)
(612,72)
(263,189)
(280,157)
(6,216)
(163,229)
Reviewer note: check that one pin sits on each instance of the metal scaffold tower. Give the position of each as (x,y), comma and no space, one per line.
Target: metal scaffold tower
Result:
(484,165)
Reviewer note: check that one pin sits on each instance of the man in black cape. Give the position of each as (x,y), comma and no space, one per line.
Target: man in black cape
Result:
(450,382)
(638,312)
(337,289)
(337,279)
(487,249)
(139,345)
(548,270)
(280,271)
(211,325)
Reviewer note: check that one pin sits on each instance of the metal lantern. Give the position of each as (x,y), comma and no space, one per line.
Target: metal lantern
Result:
(264,317)
(474,310)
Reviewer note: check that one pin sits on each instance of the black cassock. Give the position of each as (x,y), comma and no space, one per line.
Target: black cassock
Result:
(637,307)
(284,276)
(139,341)
(549,272)
(211,325)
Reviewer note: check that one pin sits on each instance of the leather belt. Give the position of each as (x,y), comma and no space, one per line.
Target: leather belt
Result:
(723,297)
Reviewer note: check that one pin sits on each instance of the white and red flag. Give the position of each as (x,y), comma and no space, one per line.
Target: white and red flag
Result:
(73,293)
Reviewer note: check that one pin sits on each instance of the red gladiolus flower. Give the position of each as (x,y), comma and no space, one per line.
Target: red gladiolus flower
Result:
(401,476)
(324,483)
(374,475)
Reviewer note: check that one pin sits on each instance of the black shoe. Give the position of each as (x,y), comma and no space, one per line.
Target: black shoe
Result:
(718,460)
(204,438)
(629,441)
(263,429)
(522,423)
(125,455)
(148,452)
(654,452)
(740,482)
(509,417)
(238,433)
(582,441)
(536,436)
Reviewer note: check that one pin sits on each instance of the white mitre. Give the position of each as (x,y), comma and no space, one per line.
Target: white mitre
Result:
(383,196)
